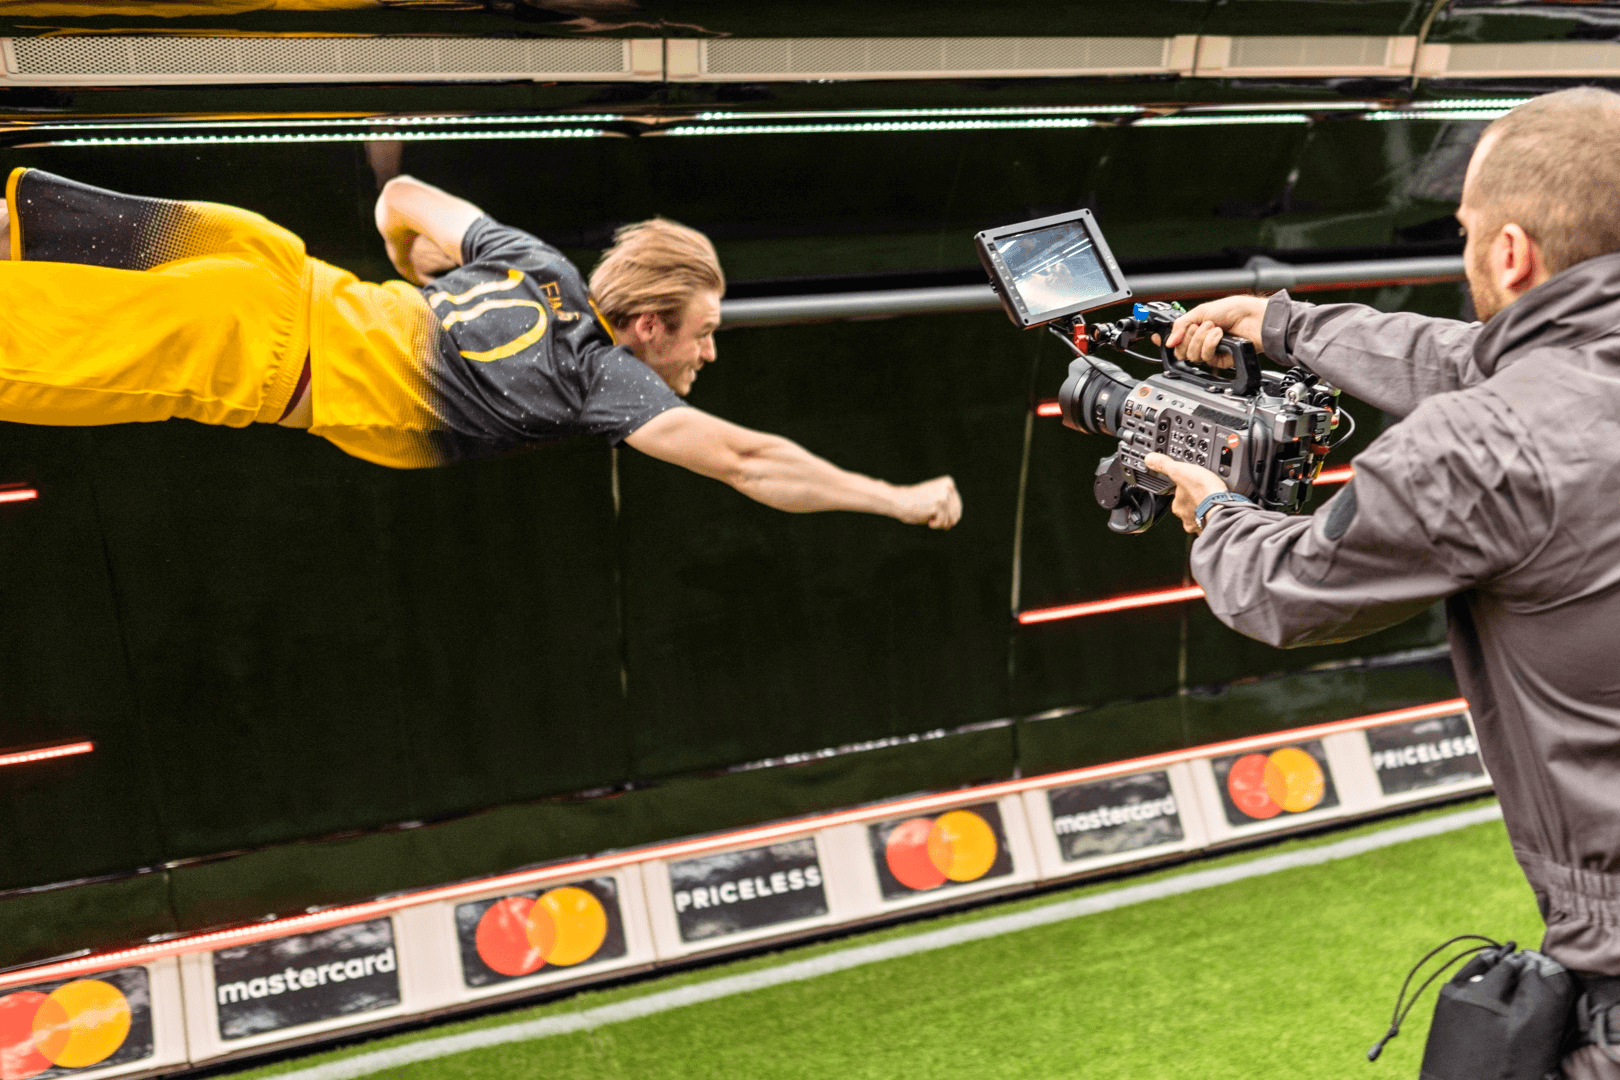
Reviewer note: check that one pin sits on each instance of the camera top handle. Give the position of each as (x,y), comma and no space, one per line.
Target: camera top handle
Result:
(1245,366)
(1158,318)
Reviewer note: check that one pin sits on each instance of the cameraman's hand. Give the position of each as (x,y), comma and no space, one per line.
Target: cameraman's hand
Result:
(1193,484)
(934,503)
(1197,334)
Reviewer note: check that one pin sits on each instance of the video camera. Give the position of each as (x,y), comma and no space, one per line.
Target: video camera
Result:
(1264,433)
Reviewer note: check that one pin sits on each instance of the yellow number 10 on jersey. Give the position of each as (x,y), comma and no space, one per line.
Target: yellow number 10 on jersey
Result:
(514,278)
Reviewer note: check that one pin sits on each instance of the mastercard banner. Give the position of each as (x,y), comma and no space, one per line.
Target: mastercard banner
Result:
(76,1025)
(305,979)
(1114,816)
(543,931)
(921,854)
(1275,783)
(1420,754)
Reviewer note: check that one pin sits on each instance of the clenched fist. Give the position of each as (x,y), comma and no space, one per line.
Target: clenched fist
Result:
(934,503)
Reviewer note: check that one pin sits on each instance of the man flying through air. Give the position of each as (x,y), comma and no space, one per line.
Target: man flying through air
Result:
(125,308)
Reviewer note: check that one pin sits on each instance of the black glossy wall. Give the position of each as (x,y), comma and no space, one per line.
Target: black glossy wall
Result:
(310,679)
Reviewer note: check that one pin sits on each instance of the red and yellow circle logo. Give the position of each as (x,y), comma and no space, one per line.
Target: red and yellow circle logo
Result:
(75,1025)
(925,853)
(1265,785)
(519,936)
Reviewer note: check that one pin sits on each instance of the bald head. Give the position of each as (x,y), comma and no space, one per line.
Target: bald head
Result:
(1552,166)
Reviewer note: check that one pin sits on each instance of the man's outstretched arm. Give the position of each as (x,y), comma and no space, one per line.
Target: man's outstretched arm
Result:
(782,474)
(423,227)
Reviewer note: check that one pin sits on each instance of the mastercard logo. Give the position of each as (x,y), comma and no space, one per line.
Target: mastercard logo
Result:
(925,853)
(75,1025)
(519,936)
(1265,785)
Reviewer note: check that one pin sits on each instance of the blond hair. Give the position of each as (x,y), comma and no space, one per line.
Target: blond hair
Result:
(654,266)
(1554,171)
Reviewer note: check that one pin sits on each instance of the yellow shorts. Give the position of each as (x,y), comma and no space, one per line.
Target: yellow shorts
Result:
(372,352)
(203,312)
(121,308)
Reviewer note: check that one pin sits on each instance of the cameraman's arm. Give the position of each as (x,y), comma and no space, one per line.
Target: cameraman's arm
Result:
(1453,497)
(1391,361)
(782,474)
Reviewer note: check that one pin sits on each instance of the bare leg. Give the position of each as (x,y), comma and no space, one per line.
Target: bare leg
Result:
(5,230)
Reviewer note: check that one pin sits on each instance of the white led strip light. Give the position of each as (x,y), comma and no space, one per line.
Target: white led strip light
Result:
(883,114)
(1222,121)
(861,121)
(898,125)
(327,137)
(343,122)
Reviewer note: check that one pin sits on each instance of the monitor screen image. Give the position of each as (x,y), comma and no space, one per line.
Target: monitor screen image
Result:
(1055,268)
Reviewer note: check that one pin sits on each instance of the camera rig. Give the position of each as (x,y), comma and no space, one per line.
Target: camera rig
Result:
(1265,433)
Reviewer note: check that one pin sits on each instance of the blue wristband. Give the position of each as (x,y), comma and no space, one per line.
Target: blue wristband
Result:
(1220,498)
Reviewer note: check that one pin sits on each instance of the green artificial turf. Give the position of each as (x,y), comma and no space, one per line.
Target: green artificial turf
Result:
(1288,975)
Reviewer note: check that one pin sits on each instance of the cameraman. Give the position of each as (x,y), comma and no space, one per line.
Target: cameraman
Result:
(1499,493)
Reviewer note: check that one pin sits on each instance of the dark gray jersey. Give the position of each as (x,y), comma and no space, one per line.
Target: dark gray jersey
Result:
(523,357)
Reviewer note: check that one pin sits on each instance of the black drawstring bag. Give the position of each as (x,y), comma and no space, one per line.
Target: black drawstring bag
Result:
(1503,1016)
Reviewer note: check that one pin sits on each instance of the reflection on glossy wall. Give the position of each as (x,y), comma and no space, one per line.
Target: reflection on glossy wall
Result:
(271,642)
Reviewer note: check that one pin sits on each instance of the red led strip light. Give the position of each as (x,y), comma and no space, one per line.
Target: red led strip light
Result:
(18,495)
(45,753)
(1117,603)
(320,920)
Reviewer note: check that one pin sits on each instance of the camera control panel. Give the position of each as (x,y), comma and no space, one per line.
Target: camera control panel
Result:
(1155,421)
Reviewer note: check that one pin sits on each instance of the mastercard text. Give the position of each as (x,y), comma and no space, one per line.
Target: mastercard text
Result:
(294,979)
(1105,817)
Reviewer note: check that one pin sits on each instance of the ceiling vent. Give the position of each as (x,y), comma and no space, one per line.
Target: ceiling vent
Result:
(776,59)
(1316,57)
(145,60)
(1568,59)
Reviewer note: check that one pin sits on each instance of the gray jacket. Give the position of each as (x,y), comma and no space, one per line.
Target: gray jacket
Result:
(1499,494)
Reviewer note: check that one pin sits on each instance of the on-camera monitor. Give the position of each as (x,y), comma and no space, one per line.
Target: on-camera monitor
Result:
(1051,268)
(1056,268)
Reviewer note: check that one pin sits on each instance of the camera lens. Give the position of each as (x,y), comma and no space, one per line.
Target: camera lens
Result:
(1093,396)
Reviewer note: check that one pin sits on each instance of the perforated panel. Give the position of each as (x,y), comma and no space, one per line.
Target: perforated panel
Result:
(812,57)
(577,57)
(1549,57)
(1309,52)
(484,55)
(92,56)
(267,56)
(371,56)
(204,59)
